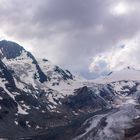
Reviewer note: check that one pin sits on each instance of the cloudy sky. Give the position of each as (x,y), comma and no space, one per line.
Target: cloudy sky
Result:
(89,37)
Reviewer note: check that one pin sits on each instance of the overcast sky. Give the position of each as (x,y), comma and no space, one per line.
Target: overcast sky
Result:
(89,37)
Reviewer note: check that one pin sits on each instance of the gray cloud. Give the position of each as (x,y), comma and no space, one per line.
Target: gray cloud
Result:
(68,32)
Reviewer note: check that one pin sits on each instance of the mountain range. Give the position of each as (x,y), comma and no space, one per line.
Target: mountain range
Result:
(42,101)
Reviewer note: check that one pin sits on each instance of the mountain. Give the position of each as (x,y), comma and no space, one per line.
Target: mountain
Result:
(42,101)
(122,90)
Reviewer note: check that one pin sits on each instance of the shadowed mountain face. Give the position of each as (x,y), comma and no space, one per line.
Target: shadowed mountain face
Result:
(39,100)
(10,49)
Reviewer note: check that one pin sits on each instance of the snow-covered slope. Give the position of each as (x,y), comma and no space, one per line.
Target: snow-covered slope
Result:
(127,74)
(60,80)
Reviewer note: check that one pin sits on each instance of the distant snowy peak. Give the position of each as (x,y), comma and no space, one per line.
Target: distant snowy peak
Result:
(126,74)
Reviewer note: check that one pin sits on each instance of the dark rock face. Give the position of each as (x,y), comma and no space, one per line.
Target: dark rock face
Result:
(42,76)
(107,93)
(84,100)
(6,74)
(10,49)
(64,75)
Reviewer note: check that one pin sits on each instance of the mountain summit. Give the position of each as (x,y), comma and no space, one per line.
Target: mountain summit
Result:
(10,49)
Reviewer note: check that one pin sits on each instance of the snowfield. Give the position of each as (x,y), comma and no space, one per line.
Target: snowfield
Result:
(127,74)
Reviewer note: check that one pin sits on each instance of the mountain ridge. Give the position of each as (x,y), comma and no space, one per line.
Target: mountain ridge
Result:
(126,74)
